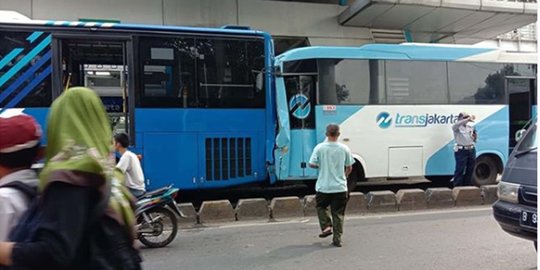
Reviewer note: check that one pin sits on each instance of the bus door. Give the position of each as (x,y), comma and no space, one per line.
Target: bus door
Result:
(301,104)
(101,65)
(522,104)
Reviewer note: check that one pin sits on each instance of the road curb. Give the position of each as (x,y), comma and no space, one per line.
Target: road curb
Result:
(252,209)
(216,212)
(438,198)
(282,208)
(190,215)
(310,206)
(357,203)
(489,194)
(381,201)
(286,207)
(411,199)
(467,196)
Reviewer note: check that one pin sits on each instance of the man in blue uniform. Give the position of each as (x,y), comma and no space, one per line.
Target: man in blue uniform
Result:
(464,150)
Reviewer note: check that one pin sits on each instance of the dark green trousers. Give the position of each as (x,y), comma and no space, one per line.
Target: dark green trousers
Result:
(337,203)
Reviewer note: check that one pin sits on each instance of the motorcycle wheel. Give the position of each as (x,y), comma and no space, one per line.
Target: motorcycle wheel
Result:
(165,229)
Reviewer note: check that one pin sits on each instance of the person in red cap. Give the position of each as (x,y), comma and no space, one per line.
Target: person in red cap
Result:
(19,148)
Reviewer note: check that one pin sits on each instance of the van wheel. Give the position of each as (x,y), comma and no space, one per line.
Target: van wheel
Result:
(485,171)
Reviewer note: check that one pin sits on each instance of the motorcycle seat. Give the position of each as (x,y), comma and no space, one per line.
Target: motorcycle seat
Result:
(154,193)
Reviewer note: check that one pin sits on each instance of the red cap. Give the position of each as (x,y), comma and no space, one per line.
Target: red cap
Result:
(18,132)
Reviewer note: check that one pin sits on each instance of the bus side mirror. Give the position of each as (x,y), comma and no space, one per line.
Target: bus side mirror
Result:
(519,134)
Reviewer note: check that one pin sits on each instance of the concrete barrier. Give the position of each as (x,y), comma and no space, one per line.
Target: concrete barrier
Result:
(381,201)
(467,196)
(489,194)
(357,204)
(216,211)
(286,207)
(190,215)
(251,209)
(310,206)
(411,199)
(439,198)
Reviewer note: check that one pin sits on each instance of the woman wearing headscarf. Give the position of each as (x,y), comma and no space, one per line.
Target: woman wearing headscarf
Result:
(86,218)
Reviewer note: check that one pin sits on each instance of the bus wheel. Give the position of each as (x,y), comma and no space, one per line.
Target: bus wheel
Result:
(485,171)
(357,175)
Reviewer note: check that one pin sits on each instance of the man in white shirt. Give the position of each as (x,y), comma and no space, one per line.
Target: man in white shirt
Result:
(130,165)
(19,148)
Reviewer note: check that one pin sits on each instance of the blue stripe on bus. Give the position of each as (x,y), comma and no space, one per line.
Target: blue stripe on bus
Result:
(492,138)
(26,59)
(10,56)
(34,36)
(46,72)
(31,71)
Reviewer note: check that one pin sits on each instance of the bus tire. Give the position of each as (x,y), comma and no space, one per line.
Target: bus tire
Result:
(485,171)
(357,175)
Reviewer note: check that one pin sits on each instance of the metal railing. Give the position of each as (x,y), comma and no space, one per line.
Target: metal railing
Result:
(527,32)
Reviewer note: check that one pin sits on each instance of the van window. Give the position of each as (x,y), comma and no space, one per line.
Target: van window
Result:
(529,141)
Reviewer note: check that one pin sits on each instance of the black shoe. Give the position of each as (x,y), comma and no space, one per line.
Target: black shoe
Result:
(325,234)
(337,244)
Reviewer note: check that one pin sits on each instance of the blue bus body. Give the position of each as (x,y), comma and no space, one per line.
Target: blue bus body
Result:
(191,147)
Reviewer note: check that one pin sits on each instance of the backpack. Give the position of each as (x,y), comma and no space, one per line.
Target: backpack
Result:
(31,214)
(109,245)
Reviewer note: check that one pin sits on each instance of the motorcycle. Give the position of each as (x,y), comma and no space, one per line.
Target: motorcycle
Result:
(156,214)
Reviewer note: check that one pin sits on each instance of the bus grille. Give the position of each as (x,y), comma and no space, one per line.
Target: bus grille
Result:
(227,158)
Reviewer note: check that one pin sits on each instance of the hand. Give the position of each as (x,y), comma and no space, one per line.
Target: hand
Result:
(6,249)
(472,117)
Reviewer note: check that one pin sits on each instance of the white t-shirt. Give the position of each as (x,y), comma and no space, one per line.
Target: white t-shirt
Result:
(129,164)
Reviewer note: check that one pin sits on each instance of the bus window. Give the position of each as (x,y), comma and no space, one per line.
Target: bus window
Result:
(416,82)
(227,71)
(344,81)
(167,69)
(35,89)
(477,83)
(100,66)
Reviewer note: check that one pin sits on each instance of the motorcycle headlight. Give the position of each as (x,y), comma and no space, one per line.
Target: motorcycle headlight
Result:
(508,192)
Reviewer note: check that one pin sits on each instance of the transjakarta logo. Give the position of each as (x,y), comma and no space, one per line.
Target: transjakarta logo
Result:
(384,119)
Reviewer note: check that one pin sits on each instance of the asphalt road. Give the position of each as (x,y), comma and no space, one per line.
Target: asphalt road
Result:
(448,239)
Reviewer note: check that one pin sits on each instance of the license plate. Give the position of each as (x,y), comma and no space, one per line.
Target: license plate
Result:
(528,219)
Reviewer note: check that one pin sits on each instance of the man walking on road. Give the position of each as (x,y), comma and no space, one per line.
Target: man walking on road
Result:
(464,150)
(334,161)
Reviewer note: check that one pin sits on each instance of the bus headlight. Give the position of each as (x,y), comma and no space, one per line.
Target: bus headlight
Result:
(508,192)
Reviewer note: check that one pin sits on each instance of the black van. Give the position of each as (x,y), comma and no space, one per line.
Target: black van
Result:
(516,209)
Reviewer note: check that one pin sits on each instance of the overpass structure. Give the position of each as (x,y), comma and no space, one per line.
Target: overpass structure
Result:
(318,22)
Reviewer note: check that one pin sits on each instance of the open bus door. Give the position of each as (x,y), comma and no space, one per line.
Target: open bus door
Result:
(522,104)
(301,104)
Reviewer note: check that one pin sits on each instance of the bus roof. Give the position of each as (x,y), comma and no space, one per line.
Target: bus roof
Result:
(409,51)
(10,18)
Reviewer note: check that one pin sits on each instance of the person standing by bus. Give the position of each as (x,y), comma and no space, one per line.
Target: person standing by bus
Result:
(464,149)
(130,165)
(334,161)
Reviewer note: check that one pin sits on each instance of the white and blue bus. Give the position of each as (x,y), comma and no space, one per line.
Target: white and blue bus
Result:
(197,102)
(396,104)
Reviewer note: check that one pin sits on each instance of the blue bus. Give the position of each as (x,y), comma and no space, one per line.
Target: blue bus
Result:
(197,102)
(396,105)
